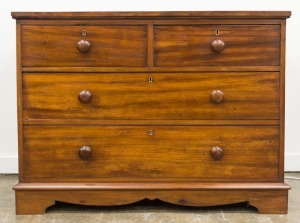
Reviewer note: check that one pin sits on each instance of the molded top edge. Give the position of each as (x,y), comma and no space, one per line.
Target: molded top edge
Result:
(149,15)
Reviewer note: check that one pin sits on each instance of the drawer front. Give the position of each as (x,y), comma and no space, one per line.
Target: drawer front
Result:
(167,96)
(191,45)
(65,46)
(249,153)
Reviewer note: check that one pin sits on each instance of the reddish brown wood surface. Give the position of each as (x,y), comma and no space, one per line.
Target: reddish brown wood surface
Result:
(169,96)
(129,151)
(116,107)
(149,122)
(110,46)
(153,14)
(19,100)
(282,100)
(151,69)
(266,201)
(191,45)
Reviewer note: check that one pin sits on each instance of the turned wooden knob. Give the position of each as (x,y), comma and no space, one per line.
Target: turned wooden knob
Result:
(85,96)
(216,153)
(217,45)
(83,46)
(217,96)
(85,152)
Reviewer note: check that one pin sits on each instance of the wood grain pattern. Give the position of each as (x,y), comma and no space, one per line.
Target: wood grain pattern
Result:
(282,99)
(151,69)
(275,202)
(117,107)
(254,45)
(153,14)
(149,122)
(157,21)
(170,152)
(19,78)
(110,46)
(169,96)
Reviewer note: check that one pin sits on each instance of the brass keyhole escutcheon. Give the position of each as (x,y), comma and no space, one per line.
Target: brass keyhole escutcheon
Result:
(83,32)
(150,132)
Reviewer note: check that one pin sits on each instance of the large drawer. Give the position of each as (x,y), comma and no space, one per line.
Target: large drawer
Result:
(131,153)
(191,45)
(110,46)
(167,96)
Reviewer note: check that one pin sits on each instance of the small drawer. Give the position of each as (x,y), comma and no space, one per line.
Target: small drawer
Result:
(160,96)
(79,46)
(216,45)
(95,153)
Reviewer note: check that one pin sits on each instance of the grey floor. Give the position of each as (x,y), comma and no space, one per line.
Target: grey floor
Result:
(147,211)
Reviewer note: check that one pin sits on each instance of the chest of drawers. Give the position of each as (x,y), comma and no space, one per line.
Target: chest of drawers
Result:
(117,107)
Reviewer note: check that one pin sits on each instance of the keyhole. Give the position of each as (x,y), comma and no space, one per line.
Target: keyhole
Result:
(150,132)
(217,32)
(83,32)
(150,79)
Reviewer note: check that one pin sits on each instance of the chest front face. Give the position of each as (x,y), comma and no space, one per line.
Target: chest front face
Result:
(151,105)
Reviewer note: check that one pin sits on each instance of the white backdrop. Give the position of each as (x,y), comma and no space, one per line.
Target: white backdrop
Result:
(8,115)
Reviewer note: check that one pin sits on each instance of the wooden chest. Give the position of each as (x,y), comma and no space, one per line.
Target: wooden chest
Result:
(185,107)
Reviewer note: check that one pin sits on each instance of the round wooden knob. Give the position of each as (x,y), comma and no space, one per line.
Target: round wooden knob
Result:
(217,45)
(217,96)
(83,46)
(216,153)
(85,96)
(85,152)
